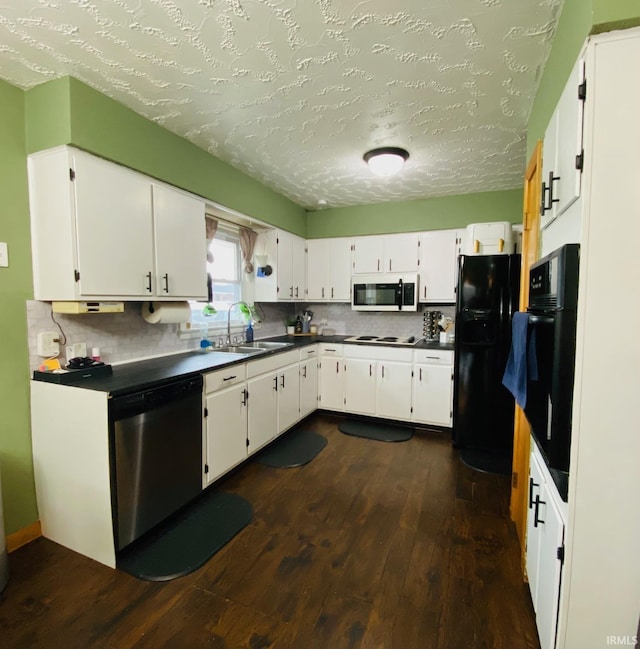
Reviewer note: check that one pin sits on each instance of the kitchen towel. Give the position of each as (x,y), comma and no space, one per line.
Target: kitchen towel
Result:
(166,312)
(521,364)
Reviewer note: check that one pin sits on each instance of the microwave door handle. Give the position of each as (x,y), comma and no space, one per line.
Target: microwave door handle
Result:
(399,296)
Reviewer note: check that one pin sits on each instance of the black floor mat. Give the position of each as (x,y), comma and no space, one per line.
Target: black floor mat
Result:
(188,540)
(487,461)
(375,430)
(295,448)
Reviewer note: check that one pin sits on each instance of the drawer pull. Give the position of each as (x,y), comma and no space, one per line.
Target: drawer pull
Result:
(537,520)
(228,378)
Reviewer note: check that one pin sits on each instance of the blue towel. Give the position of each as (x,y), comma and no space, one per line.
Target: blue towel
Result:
(522,363)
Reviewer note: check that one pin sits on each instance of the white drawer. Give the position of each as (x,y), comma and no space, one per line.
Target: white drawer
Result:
(330,349)
(271,363)
(309,351)
(433,356)
(223,378)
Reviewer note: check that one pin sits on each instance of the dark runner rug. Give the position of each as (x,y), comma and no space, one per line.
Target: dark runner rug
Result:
(187,540)
(380,432)
(294,448)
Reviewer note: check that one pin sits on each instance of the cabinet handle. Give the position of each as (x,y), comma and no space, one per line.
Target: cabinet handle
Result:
(332,291)
(148,276)
(532,484)
(424,293)
(282,381)
(420,372)
(433,358)
(389,264)
(337,367)
(245,397)
(323,292)
(329,350)
(228,378)
(383,371)
(296,291)
(304,371)
(378,264)
(275,383)
(370,369)
(165,277)
(291,291)
(552,200)
(537,520)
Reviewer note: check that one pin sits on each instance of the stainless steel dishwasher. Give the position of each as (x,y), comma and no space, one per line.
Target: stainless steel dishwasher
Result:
(156,442)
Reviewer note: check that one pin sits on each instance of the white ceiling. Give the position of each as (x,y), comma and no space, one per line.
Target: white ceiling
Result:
(293,92)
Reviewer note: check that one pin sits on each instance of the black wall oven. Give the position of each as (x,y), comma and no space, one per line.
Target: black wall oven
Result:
(553,300)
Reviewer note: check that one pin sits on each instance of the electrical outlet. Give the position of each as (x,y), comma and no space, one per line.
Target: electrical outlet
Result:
(47,344)
(77,349)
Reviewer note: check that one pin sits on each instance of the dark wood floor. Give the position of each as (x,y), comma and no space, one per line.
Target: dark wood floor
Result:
(371,545)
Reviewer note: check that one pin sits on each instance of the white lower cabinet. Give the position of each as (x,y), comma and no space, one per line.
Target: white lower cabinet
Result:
(433,387)
(360,386)
(308,380)
(263,411)
(393,389)
(545,548)
(331,392)
(288,396)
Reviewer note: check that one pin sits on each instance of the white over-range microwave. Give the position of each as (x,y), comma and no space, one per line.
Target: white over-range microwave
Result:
(385,292)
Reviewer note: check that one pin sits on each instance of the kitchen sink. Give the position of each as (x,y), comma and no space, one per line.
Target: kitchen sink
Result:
(258,344)
(240,349)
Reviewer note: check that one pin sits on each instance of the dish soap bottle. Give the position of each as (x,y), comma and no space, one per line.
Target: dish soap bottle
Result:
(249,332)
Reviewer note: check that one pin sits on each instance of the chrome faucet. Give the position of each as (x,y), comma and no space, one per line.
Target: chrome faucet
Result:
(229,319)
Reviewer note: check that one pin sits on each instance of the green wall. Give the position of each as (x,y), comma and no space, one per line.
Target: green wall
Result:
(67,111)
(615,14)
(15,288)
(438,213)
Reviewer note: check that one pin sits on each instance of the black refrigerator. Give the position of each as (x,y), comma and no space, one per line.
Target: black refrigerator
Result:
(483,409)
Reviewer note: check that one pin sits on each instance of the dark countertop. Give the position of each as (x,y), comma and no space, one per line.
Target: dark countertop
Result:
(141,375)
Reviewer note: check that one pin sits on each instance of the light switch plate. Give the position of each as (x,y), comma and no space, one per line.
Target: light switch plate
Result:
(4,254)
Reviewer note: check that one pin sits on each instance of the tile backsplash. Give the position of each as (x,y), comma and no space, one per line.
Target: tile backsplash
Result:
(123,337)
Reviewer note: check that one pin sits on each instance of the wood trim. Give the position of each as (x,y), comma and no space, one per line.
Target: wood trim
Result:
(521,430)
(24,536)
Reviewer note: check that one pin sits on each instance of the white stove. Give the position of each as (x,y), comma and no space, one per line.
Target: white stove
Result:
(384,340)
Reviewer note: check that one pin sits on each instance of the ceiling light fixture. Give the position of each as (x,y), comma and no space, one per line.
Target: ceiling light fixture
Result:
(386,161)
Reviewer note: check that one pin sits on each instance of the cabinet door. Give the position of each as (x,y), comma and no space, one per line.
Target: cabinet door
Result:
(298,268)
(432,394)
(308,387)
(438,264)
(285,266)
(180,244)
(549,166)
(569,142)
(340,269)
(368,254)
(114,229)
(393,390)
(288,397)
(331,392)
(226,425)
(263,410)
(401,253)
(360,386)
(533,531)
(317,269)
(551,532)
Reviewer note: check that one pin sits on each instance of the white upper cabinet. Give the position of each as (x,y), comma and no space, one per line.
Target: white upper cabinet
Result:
(391,253)
(438,266)
(179,226)
(96,232)
(329,270)
(285,253)
(562,149)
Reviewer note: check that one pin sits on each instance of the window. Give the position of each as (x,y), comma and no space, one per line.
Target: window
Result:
(226,275)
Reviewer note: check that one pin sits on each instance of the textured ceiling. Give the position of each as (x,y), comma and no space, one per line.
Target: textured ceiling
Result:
(293,92)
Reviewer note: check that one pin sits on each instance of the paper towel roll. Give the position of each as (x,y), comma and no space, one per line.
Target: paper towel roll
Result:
(166,312)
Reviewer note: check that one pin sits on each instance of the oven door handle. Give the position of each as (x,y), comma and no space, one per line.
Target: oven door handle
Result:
(399,295)
(540,319)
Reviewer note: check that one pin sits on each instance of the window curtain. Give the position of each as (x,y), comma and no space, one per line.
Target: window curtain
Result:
(212,228)
(247,244)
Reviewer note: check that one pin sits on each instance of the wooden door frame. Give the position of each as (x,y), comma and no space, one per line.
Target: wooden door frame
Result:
(521,431)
